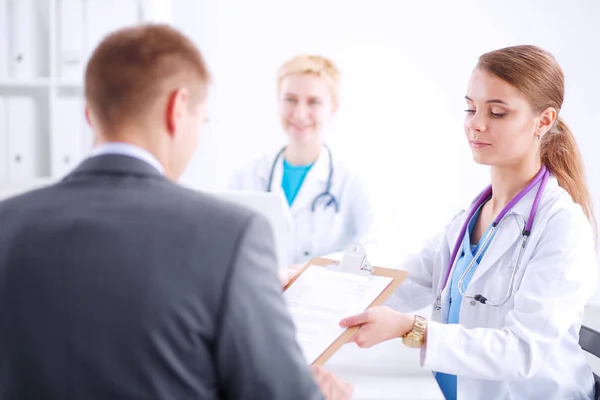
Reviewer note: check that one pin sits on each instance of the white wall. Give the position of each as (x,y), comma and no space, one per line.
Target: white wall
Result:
(405,67)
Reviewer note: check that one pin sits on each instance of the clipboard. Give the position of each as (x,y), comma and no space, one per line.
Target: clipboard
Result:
(397,276)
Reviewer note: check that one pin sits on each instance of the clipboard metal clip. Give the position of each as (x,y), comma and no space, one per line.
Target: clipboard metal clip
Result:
(354,262)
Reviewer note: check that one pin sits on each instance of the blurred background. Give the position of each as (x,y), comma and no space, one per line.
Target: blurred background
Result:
(405,66)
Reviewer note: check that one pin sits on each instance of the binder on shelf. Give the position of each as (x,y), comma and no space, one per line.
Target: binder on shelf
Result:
(4,39)
(3,139)
(23,125)
(87,142)
(67,135)
(22,58)
(71,55)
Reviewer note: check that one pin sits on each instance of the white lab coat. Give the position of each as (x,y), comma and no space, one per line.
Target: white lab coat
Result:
(527,348)
(324,231)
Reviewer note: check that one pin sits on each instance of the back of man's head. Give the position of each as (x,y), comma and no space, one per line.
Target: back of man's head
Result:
(142,79)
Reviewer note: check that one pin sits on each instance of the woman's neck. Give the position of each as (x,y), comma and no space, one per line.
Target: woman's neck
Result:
(303,153)
(508,182)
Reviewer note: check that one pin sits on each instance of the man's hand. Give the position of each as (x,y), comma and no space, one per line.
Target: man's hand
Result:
(331,386)
(286,275)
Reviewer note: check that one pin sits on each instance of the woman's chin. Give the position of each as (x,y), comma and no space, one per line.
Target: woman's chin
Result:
(482,160)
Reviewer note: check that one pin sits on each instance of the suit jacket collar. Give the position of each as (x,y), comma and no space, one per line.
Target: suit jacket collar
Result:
(128,149)
(115,164)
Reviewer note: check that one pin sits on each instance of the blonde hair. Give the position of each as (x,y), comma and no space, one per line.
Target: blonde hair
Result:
(315,65)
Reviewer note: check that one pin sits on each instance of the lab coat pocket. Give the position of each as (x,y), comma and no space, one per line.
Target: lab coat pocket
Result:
(499,292)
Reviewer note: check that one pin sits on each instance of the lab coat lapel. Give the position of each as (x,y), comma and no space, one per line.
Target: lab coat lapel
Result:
(451,237)
(444,305)
(313,185)
(510,232)
(277,177)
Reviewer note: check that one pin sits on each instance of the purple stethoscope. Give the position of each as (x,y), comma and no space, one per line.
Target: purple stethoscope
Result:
(541,178)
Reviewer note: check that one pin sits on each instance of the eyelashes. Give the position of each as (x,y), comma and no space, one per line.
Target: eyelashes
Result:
(494,115)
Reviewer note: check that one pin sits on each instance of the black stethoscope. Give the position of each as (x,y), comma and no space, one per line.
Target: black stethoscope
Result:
(326,194)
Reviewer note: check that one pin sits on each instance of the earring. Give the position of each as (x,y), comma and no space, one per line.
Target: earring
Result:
(539,136)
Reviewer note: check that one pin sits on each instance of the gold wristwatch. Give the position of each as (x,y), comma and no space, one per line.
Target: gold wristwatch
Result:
(415,338)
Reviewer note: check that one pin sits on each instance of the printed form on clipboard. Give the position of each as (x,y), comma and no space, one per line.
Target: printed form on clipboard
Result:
(319,298)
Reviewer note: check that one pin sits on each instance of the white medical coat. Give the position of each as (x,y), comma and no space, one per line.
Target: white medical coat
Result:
(527,348)
(319,233)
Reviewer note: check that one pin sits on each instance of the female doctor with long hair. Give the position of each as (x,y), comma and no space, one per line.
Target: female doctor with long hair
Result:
(329,203)
(510,276)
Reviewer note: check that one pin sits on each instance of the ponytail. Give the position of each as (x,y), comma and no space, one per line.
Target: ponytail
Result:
(561,156)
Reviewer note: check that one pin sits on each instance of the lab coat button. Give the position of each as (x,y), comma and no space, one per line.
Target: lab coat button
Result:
(473,302)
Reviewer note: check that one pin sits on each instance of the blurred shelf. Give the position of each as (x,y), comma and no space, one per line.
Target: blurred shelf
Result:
(24,83)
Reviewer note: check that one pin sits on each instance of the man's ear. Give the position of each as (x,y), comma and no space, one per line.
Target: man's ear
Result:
(88,118)
(176,103)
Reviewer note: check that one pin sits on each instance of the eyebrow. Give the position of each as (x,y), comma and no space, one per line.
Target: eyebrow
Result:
(309,97)
(495,101)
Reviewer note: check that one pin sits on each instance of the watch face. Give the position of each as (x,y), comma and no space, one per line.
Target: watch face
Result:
(411,341)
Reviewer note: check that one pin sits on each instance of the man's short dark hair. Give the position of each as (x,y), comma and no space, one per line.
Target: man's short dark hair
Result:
(133,68)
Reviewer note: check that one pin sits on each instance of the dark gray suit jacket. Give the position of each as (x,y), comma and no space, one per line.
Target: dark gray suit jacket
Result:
(118,284)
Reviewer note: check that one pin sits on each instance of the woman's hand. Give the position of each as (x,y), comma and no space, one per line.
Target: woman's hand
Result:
(331,386)
(286,275)
(378,324)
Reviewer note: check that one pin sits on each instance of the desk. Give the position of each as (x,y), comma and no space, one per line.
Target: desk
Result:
(387,371)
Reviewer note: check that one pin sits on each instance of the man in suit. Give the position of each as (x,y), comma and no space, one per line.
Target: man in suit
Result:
(116,283)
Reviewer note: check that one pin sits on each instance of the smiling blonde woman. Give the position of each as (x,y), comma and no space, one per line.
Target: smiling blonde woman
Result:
(330,205)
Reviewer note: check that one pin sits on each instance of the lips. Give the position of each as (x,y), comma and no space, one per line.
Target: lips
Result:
(478,145)
(300,128)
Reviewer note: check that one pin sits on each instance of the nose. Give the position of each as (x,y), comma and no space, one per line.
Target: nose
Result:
(300,111)
(476,123)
